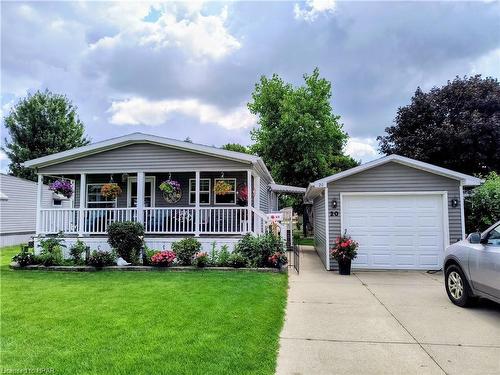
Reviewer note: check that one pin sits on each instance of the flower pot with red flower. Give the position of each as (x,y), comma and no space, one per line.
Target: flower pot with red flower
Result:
(344,251)
(278,259)
(163,258)
(111,190)
(171,190)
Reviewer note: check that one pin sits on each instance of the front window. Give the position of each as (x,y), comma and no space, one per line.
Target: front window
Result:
(204,191)
(494,236)
(96,200)
(230,196)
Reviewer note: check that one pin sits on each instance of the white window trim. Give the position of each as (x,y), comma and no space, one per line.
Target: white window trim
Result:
(115,201)
(235,190)
(131,179)
(204,191)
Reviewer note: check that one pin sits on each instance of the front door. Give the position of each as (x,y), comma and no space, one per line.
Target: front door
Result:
(149,192)
(484,263)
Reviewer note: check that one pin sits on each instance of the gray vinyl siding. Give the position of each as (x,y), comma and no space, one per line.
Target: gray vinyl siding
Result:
(265,195)
(395,177)
(18,212)
(319,222)
(142,157)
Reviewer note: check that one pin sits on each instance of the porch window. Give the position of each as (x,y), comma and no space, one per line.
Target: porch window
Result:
(96,200)
(204,191)
(149,191)
(230,197)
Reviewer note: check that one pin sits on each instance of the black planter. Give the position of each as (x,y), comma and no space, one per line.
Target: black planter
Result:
(345,267)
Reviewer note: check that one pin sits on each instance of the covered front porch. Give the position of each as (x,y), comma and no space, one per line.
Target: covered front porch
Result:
(198,211)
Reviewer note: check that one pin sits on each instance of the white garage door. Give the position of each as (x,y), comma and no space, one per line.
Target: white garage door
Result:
(395,231)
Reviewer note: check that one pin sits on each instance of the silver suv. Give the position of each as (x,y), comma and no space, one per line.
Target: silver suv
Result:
(472,267)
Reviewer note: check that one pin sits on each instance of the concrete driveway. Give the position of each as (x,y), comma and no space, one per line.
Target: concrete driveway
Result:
(383,323)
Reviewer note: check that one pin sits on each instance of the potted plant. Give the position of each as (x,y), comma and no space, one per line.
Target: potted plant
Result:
(344,251)
(63,187)
(171,190)
(111,190)
(222,187)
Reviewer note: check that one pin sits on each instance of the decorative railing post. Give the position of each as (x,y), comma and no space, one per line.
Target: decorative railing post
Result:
(39,193)
(249,200)
(197,205)
(140,196)
(83,192)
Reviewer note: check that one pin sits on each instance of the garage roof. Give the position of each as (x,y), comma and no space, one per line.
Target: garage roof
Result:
(287,189)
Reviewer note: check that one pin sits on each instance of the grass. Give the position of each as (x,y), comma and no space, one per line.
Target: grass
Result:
(307,241)
(140,322)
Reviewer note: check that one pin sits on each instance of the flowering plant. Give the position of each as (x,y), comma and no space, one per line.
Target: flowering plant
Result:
(345,248)
(163,258)
(278,259)
(222,187)
(200,259)
(171,190)
(63,187)
(111,190)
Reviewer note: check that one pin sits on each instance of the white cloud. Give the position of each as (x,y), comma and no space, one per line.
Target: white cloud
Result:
(3,156)
(488,64)
(313,9)
(362,148)
(182,27)
(139,111)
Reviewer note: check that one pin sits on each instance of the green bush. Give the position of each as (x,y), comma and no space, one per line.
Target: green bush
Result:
(258,249)
(52,251)
(201,259)
(483,205)
(237,260)
(148,253)
(24,257)
(76,251)
(126,238)
(213,256)
(223,258)
(185,250)
(100,258)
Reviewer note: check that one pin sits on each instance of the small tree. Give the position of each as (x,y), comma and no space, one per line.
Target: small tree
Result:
(236,147)
(40,124)
(126,238)
(483,205)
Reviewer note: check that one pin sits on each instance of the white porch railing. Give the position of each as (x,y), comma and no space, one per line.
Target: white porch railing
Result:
(97,220)
(157,220)
(55,220)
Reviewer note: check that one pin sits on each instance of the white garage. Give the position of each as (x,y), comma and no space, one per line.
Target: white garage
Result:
(402,212)
(396,231)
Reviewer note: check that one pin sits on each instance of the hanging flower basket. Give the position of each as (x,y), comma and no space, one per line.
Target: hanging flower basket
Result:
(222,188)
(171,191)
(242,195)
(63,187)
(111,190)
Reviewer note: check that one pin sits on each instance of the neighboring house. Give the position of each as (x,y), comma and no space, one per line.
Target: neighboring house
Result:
(18,208)
(139,163)
(402,212)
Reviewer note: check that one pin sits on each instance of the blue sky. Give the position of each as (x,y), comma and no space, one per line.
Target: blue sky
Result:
(188,69)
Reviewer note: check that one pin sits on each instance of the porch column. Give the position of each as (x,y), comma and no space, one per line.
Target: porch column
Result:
(83,193)
(140,197)
(258,227)
(197,204)
(249,200)
(39,193)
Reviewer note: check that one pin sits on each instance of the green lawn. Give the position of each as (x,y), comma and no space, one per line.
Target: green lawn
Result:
(307,241)
(140,322)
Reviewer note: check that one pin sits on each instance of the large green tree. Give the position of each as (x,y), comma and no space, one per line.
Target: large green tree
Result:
(41,124)
(236,147)
(298,137)
(456,126)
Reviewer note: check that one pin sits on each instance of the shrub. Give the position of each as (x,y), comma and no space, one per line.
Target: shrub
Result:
(76,251)
(223,258)
(258,249)
(100,258)
(278,259)
(24,257)
(185,250)
(237,260)
(483,206)
(51,253)
(213,256)
(163,258)
(200,259)
(127,239)
(148,253)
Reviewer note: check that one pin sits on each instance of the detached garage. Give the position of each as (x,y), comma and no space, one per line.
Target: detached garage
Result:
(402,212)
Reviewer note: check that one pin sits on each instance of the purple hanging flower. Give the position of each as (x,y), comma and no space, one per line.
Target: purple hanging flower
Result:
(63,187)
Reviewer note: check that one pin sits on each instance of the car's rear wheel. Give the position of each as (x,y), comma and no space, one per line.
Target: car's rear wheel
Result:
(457,287)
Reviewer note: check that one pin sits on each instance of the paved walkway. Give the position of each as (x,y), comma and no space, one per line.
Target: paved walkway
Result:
(383,323)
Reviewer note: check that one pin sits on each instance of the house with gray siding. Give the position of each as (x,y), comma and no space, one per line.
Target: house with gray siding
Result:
(402,212)
(139,163)
(18,208)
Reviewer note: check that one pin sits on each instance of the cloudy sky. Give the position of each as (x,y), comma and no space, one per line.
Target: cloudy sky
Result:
(188,69)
